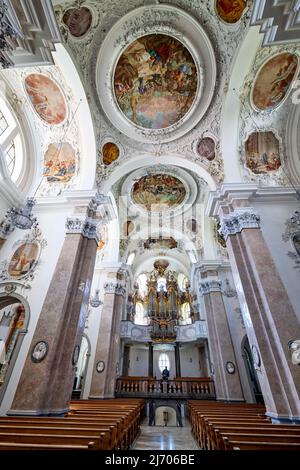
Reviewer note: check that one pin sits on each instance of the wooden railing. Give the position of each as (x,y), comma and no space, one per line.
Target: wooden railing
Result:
(183,387)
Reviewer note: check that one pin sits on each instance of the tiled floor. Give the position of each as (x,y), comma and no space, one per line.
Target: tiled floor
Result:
(165,438)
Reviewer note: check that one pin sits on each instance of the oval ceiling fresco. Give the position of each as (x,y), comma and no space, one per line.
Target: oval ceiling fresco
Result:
(155,81)
(274,80)
(158,192)
(46,98)
(206,148)
(110,153)
(78,21)
(230,11)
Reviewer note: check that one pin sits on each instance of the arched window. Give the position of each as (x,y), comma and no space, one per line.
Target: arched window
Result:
(182,280)
(163,361)
(130,259)
(10,142)
(140,318)
(162,283)
(186,313)
(142,283)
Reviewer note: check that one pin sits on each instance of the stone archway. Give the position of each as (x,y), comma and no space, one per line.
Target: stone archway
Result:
(165,416)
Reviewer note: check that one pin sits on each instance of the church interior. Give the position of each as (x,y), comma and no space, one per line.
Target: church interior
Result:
(149,225)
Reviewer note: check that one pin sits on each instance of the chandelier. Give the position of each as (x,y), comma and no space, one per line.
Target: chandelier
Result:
(23,218)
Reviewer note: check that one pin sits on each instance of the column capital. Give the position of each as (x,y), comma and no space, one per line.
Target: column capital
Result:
(236,221)
(85,226)
(207,287)
(228,194)
(114,287)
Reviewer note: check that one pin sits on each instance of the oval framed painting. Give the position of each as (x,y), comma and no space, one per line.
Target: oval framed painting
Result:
(39,351)
(110,153)
(78,21)
(273,81)
(230,11)
(24,259)
(206,148)
(46,98)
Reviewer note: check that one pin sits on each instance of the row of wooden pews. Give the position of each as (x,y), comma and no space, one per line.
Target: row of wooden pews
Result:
(89,425)
(239,426)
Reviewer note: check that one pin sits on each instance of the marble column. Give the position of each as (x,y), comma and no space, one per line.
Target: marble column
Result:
(270,320)
(177,360)
(227,380)
(45,386)
(150,360)
(126,355)
(108,343)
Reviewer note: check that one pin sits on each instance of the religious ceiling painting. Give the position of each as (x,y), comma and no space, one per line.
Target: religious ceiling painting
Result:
(167,243)
(230,11)
(59,162)
(155,81)
(78,21)
(24,259)
(103,238)
(158,192)
(110,153)
(274,80)
(262,152)
(46,98)
(206,148)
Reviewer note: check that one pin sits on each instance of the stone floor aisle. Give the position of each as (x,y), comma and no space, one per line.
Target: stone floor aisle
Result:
(165,438)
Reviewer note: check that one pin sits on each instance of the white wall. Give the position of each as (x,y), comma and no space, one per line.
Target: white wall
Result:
(189,359)
(138,361)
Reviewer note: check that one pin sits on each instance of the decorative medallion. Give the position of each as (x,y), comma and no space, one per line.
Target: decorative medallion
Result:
(46,98)
(230,11)
(274,81)
(296,242)
(128,227)
(100,366)
(24,259)
(206,148)
(158,192)
(230,367)
(75,356)
(110,153)
(155,81)
(78,21)
(262,152)
(59,162)
(39,351)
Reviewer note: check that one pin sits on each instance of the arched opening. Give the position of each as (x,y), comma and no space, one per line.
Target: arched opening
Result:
(14,318)
(165,416)
(81,368)
(251,372)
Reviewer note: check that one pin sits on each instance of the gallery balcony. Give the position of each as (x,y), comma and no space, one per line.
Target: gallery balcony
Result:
(183,388)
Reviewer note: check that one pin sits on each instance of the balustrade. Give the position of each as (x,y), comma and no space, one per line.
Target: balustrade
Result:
(183,387)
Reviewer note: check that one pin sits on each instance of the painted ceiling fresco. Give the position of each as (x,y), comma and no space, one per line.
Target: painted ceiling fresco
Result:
(78,21)
(110,153)
(59,162)
(230,11)
(262,152)
(206,148)
(274,81)
(167,243)
(46,98)
(158,192)
(155,81)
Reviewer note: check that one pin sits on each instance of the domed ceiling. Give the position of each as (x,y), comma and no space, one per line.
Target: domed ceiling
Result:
(155,81)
